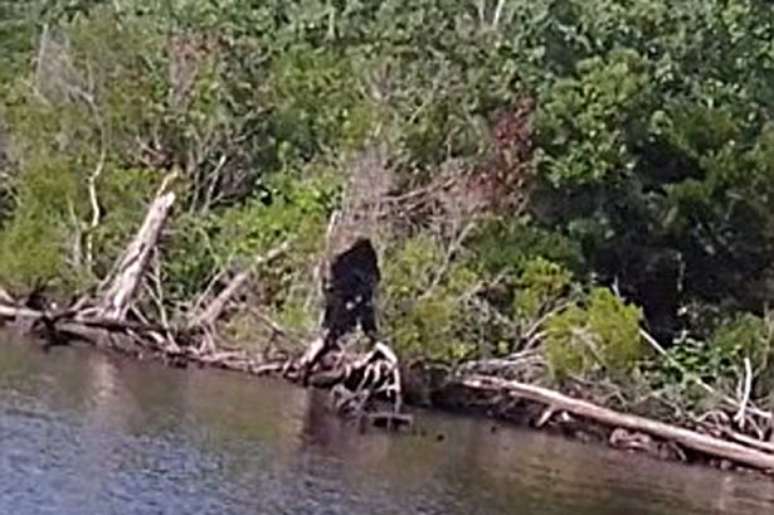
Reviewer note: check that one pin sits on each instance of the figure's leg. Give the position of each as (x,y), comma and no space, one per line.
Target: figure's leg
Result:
(367,319)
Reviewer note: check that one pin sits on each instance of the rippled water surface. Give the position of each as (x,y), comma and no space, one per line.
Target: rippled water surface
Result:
(83,433)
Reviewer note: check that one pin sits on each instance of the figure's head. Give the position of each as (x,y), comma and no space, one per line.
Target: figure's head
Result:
(363,244)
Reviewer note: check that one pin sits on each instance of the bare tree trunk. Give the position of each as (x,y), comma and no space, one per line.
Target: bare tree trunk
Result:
(117,299)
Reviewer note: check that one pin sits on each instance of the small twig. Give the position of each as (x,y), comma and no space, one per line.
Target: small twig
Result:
(498,13)
(96,212)
(5,297)
(532,335)
(275,326)
(318,270)
(214,178)
(545,416)
(454,246)
(77,251)
(155,288)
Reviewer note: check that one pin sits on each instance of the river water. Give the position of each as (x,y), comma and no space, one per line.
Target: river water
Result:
(82,432)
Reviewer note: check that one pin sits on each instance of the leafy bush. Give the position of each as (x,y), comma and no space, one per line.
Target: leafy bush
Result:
(720,358)
(295,211)
(603,332)
(584,121)
(425,315)
(33,242)
(540,285)
(507,244)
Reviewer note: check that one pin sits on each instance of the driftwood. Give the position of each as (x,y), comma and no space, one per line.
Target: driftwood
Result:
(709,445)
(74,316)
(13,311)
(166,343)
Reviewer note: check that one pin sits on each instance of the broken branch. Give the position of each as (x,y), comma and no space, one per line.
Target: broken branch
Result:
(132,265)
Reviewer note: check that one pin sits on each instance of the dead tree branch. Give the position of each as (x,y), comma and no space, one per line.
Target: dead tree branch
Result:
(728,400)
(212,312)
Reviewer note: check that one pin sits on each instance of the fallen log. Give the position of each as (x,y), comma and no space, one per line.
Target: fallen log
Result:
(69,324)
(731,451)
(74,316)
(8,311)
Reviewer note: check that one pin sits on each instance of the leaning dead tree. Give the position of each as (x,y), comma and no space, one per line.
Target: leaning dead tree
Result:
(101,317)
(110,317)
(132,265)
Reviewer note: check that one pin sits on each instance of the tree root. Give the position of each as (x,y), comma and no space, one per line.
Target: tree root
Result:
(356,381)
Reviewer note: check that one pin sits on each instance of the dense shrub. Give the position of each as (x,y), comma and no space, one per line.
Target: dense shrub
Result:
(601,332)
(425,314)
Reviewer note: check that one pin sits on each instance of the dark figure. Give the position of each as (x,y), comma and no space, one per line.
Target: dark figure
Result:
(349,292)
(36,298)
(349,301)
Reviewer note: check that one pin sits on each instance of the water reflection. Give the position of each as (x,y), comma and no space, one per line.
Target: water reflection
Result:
(82,432)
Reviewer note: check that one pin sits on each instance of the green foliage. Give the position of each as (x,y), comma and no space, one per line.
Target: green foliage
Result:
(64,128)
(425,315)
(33,242)
(604,332)
(584,120)
(318,103)
(508,244)
(721,357)
(539,287)
(652,145)
(30,251)
(298,212)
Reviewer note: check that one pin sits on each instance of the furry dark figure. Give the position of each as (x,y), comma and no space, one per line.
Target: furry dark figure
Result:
(349,292)
(349,301)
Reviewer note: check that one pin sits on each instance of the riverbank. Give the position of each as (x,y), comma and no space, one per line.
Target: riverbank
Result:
(573,413)
(569,222)
(518,387)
